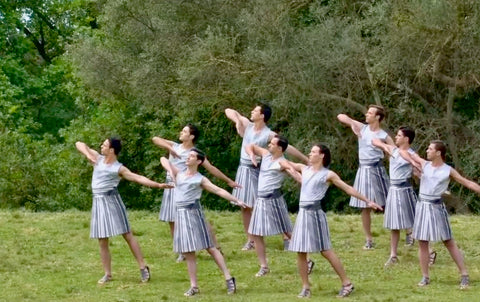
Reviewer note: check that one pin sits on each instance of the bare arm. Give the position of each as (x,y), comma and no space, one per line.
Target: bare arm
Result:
(167,165)
(207,185)
(292,169)
(390,141)
(414,159)
(125,173)
(387,148)
(339,183)
(291,150)
(253,150)
(464,181)
(165,144)
(219,174)
(354,124)
(89,153)
(240,121)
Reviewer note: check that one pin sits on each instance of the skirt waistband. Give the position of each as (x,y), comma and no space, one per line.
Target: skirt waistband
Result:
(189,206)
(275,194)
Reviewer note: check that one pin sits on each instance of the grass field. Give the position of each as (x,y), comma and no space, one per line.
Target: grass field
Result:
(49,257)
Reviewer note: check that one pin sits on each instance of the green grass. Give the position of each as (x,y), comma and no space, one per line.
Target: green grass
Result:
(49,257)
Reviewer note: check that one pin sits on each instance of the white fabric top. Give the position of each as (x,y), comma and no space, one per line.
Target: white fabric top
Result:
(271,176)
(368,153)
(251,137)
(400,169)
(105,176)
(188,188)
(314,185)
(434,181)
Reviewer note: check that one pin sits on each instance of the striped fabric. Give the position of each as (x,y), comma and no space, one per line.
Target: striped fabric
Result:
(431,222)
(372,182)
(247,177)
(167,208)
(270,217)
(400,208)
(190,233)
(310,233)
(109,216)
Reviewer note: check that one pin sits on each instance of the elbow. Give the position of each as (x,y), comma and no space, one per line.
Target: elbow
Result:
(155,139)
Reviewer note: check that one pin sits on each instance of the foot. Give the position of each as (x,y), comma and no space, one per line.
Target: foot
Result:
(464,282)
(310,265)
(369,245)
(409,241)
(231,286)
(105,279)
(346,290)
(262,272)
(180,258)
(192,291)
(145,274)
(391,261)
(250,245)
(424,282)
(305,293)
(286,243)
(432,258)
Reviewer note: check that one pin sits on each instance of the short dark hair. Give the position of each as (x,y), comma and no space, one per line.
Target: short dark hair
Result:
(200,155)
(327,157)
(408,132)
(380,111)
(282,142)
(193,131)
(116,144)
(266,111)
(440,146)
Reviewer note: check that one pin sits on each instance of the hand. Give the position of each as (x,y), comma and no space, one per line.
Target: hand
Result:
(239,203)
(373,205)
(169,185)
(233,184)
(253,158)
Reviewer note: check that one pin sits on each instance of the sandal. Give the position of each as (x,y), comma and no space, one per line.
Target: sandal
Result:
(310,265)
(464,282)
(262,272)
(346,290)
(432,258)
(105,279)
(145,274)
(305,293)
(192,291)
(231,286)
(424,282)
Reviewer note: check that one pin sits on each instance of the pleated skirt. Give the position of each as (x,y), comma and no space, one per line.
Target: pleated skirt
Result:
(109,215)
(270,217)
(190,232)
(431,222)
(167,208)
(372,182)
(247,178)
(400,208)
(310,233)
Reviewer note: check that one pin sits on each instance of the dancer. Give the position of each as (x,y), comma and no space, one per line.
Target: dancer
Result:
(431,217)
(190,233)
(178,154)
(255,132)
(311,233)
(270,214)
(371,179)
(109,216)
(401,199)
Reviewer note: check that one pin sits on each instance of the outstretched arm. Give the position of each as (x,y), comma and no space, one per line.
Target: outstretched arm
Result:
(414,159)
(207,185)
(387,148)
(339,183)
(125,173)
(240,121)
(219,174)
(354,124)
(89,153)
(254,150)
(464,181)
(165,144)
(171,169)
(291,150)
(293,169)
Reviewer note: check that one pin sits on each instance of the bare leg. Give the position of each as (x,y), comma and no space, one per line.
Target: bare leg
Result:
(220,261)
(172,227)
(191,259)
(423,256)
(394,238)
(135,248)
(260,249)
(105,256)
(303,269)
(366,223)
(246,216)
(211,230)
(337,266)
(456,256)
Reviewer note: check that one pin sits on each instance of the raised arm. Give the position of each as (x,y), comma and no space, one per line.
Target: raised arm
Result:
(240,121)
(354,124)
(293,169)
(89,153)
(253,150)
(125,173)
(167,165)
(219,174)
(464,181)
(387,148)
(165,144)
(291,150)
(207,185)
(414,159)
(333,178)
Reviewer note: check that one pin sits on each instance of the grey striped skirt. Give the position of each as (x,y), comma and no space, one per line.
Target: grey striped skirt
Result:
(400,208)
(372,182)
(270,217)
(247,177)
(109,215)
(310,233)
(190,232)
(431,221)
(167,208)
